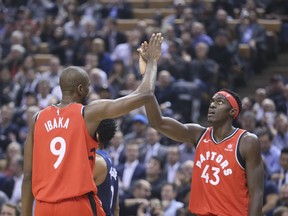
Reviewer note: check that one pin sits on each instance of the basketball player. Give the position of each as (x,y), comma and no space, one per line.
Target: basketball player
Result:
(228,171)
(105,175)
(59,153)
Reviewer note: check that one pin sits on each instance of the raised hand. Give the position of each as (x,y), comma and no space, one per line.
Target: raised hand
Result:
(150,51)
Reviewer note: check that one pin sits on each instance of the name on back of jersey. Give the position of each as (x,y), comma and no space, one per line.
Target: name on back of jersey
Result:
(55,123)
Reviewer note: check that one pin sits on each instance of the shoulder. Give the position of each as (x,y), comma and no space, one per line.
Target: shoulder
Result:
(249,144)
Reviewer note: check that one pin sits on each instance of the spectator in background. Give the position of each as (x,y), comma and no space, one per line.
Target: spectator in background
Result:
(269,152)
(259,96)
(281,177)
(275,91)
(283,196)
(280,211)
(248,121)
(199,34)
(172,163)
(204,69)
(105,62)
(117,77)
(12,185)
(187,152)
(152,146)
(13,149)
(118,9)
(249,32)
(218,24)
(8,129)
(8,87)
(139,128)
(123,51)
(116,149)
(173,61)
(164,91)
(74,27)
(10,209)
(270,195)
(112,35)
(224,55)
(132,169)
(53,72)
(139,195)
(168,199)
(281,127)
(154,175)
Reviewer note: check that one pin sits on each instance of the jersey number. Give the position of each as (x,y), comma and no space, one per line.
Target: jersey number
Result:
(112,195)
(215,179)
(58,152)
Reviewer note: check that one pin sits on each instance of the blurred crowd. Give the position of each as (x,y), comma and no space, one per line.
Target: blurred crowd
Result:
(201,53)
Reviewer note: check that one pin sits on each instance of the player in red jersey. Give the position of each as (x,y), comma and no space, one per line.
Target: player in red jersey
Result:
(59,152)
(228,171)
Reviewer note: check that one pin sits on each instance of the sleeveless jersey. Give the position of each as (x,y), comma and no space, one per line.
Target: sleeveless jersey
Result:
(108,190)
(63,154)
(219,185)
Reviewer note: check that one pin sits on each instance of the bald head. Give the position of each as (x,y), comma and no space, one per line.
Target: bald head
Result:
(71,77)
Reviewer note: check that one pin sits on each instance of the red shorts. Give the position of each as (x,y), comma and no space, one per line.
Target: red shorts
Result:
(88,205)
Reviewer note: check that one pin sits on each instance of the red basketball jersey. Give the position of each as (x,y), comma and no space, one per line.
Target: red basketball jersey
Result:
(219,185)
(63,154)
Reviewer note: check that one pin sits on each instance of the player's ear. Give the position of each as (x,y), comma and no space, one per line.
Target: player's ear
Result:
(80,89)
(233,112)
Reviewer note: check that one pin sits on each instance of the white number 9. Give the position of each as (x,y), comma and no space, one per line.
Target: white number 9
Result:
(58,152)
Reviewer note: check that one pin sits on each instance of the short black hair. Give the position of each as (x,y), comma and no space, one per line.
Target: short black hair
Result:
(106,131)
(236,96)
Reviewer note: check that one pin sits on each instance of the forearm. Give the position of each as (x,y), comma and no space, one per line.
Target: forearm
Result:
(149,78)
(27,198)
(255,205)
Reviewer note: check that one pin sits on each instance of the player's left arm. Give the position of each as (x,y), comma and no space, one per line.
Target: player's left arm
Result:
(27,195)
(250,151)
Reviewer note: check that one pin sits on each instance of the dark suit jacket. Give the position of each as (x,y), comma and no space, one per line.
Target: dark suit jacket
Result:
(119,39)
(7,186)
(139,172)
(162,151)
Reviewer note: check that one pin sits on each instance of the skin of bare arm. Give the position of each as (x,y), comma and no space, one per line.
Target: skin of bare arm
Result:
(250,151)
(117,209)
(100,170)
(167,126)
(27,196)
(102,109)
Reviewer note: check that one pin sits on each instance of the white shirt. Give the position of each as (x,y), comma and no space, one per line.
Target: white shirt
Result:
(128,173)
(171,172)
(151,151)
(16,195)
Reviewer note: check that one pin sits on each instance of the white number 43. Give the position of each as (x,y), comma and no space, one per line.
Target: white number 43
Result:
(215,177)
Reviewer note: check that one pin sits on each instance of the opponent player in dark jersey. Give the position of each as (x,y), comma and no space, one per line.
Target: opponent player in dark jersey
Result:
(105,175)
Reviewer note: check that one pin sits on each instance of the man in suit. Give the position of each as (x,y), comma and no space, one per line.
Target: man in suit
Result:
(132,169)
(152,147)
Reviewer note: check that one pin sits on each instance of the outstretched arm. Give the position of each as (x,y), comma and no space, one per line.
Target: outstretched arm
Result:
(27,196)
(250,151)
(102,109)
(168,126)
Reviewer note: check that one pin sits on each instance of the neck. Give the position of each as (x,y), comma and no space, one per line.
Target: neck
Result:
(220,133)
(66,100)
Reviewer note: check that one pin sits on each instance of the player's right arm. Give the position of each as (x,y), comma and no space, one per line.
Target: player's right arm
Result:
(170,127)
(105,108)
(27,196)
(117,209)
